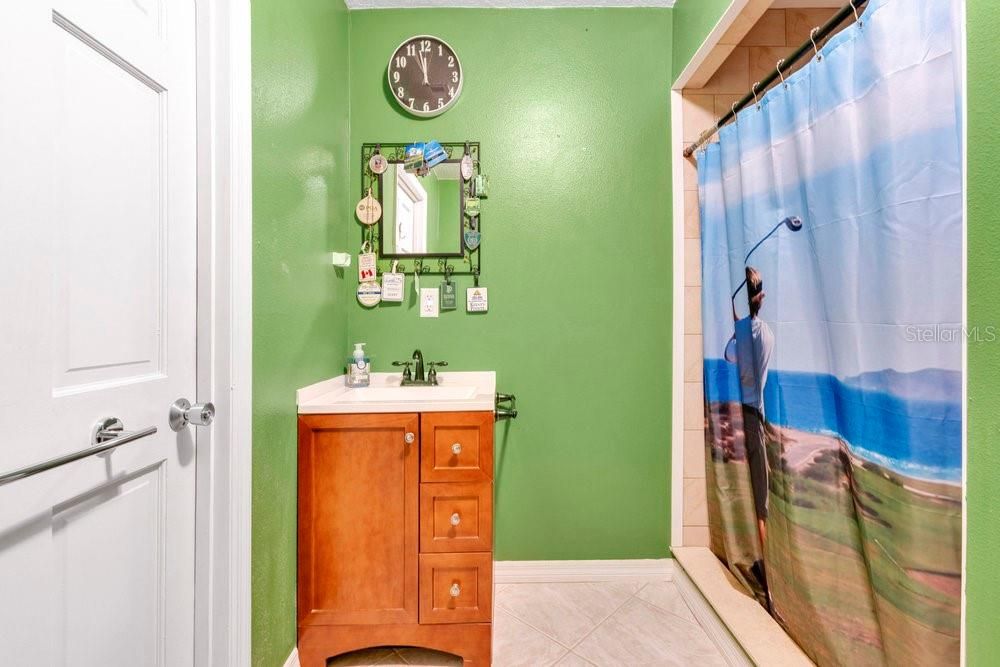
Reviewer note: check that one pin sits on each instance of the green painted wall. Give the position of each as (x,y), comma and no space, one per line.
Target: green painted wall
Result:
(983,512)
(301,212)
(571,107)
(693,20)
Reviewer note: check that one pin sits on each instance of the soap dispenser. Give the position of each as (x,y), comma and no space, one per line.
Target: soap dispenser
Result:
(358,368)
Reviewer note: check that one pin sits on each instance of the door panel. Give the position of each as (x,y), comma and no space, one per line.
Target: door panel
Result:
(358,489)
(97,279)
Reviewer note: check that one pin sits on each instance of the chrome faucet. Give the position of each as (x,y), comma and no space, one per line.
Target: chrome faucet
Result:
(417,377)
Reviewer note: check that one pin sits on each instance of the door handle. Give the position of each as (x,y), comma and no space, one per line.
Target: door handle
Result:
(183,413)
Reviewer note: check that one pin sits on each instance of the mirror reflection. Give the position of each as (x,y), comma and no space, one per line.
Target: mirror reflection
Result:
(423,213)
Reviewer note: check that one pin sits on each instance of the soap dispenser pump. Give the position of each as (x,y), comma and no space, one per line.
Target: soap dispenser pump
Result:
(359,368)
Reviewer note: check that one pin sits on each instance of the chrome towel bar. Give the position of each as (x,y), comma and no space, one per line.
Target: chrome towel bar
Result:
(108,433)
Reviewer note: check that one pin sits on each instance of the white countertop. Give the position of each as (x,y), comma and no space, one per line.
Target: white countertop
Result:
(456,392)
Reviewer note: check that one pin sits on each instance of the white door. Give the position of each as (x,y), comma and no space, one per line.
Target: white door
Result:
(97,319)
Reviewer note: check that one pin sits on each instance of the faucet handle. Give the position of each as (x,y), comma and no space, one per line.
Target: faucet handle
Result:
(432,374)
(406,370)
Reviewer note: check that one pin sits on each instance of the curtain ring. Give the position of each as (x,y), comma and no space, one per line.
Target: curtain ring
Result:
(753,89)
(857,19)
(733,108)
(812,38)
(781,74)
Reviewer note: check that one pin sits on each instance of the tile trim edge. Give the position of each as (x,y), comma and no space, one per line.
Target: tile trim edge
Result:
(567,571)
(293,658)
(716,630)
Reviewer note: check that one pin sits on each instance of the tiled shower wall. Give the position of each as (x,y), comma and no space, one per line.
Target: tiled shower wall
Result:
(774,35)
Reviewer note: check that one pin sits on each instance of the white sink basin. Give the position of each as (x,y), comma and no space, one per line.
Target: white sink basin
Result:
(397,394)
(457,392)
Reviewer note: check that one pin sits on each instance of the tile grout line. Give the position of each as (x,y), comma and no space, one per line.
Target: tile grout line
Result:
(605,619)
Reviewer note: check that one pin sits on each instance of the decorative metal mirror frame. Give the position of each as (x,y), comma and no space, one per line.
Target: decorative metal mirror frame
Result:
(464,262)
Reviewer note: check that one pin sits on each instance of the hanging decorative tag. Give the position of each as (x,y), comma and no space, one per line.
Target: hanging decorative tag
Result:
(378,164)
(482,186)
(368,209)
(413,157)
(366,265)
(392,285)
(448,300)
(466,167)
(476,300)
(434,154)
(472,238)
(472,206)
(369,294)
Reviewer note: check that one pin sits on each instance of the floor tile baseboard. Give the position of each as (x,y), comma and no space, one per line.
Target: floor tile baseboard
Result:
(293,659)
(562,571)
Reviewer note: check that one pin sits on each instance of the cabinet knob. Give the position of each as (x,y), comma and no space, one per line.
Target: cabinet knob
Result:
(455,519)
(456,449)
(409,438)
(455,590)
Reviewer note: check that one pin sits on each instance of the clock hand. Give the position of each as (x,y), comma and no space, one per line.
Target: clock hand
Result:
(424,61)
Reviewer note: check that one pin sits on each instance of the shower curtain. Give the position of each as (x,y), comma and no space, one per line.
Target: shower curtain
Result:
(832,315)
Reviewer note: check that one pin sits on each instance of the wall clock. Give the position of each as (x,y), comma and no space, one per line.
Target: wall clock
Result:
(425,76)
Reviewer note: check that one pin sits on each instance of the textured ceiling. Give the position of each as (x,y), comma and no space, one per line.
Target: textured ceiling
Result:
(523,4)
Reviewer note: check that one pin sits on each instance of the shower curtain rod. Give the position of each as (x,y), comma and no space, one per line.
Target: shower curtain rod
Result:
(809,46)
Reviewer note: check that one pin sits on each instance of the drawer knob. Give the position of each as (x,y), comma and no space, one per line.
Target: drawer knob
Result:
(455,590)
(409,438)
(455,519)
(456,449)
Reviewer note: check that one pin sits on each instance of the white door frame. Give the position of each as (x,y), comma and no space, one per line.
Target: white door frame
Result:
(222,572)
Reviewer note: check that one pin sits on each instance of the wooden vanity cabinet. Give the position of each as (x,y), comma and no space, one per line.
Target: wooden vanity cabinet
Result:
(395,533)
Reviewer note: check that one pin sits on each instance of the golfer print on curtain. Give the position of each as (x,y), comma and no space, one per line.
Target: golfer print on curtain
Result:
(832,304)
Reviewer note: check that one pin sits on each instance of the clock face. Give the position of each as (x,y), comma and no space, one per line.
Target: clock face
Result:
(425,76)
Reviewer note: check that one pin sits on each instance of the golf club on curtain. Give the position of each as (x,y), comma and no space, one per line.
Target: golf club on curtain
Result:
(794,223)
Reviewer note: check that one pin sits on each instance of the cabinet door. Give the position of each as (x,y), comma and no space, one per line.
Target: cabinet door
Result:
(358,490)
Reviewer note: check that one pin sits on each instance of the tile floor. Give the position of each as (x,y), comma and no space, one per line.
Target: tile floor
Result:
(607,624)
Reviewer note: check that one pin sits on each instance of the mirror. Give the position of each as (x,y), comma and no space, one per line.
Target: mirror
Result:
(422,211)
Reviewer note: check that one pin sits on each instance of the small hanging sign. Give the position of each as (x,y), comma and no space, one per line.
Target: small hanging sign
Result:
(466,167)
(476,300)
(472,206)
(368,209)
(369,294)
(434,154)
(366,265)
(392,285)
(448,299)
(472,238)
(378,164)
(481,186)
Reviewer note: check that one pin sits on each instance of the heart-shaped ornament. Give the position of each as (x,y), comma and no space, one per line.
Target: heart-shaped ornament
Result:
(472,238)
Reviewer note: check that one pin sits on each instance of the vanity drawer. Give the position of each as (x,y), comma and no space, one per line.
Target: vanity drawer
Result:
(456,588)
(456,517)
(456,447)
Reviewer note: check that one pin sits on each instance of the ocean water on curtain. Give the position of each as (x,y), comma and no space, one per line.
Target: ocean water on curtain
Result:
(831,222)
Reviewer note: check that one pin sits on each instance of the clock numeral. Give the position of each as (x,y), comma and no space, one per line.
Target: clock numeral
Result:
(454,77)
(401,92)
(440,50)
(395,76)
(451,61)
(451,92)
(427,106)
(401,62)
(425,46)
(411,49)
(440,102)
(412,103)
